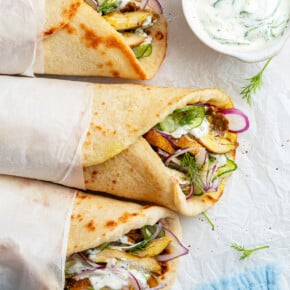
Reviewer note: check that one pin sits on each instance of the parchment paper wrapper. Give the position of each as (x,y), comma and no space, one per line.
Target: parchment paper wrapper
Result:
(34,225)
(20,23)
(64,112)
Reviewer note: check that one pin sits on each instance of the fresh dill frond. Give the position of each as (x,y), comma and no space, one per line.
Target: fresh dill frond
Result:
(192,170)
(188,162)
(246,252)
(208,220)
(255,84)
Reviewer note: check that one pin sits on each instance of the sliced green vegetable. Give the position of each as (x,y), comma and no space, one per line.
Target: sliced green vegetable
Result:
(169,125)
(108,6)
(199,193)
(147,232)
(230,166)
(190,115)
(103,246)
(143,50)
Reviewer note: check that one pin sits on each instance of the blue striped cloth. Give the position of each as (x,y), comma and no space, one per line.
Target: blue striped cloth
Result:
(260,278)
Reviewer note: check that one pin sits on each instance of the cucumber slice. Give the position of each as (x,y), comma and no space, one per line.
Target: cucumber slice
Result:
(190,115)
(143,50)
(230,166)
(168,125)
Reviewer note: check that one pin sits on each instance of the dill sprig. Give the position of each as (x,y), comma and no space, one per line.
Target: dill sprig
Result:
(208,220)
(255,84)
(247,252)
(192,168)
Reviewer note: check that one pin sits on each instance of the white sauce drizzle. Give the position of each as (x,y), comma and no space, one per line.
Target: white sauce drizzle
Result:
(198,132)
(106,278)
(220,159)
(244,23)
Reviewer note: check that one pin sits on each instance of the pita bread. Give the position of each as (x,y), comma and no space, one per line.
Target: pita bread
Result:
(58,14)
(79,41)
(96,220)
(116,159)
(119,161)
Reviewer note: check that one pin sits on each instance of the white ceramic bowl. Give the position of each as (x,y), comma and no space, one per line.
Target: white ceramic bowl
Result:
(268,50)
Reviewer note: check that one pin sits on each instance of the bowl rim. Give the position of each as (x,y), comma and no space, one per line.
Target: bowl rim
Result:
(269,50)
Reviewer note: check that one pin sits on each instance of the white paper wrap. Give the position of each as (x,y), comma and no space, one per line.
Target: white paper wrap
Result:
(45,143)
(34,226)
(19,26)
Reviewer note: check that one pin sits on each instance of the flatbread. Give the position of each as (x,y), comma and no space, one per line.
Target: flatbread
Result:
(79,41)
(96,220)
(119,161)
(58,14)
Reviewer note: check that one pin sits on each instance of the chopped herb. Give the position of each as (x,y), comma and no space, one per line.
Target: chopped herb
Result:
(254,85)
(108,6)
(247,252)
(90,288)
(190,115)
(208,220)
(188,162)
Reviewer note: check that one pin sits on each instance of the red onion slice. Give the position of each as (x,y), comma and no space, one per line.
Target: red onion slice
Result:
(201,156)
(167,136)
(93,3)
(133,280)
(177,248)
(144,3)
(191,194)
(156,6)
(239,122)
(87,260)
(162,153)
(177,153)
(86,273)
(157,232)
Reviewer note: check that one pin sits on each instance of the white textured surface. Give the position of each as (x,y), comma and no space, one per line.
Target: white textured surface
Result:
(34,228)
(37,114)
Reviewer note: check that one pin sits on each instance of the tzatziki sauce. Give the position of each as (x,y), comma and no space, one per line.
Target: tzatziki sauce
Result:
(244,23)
